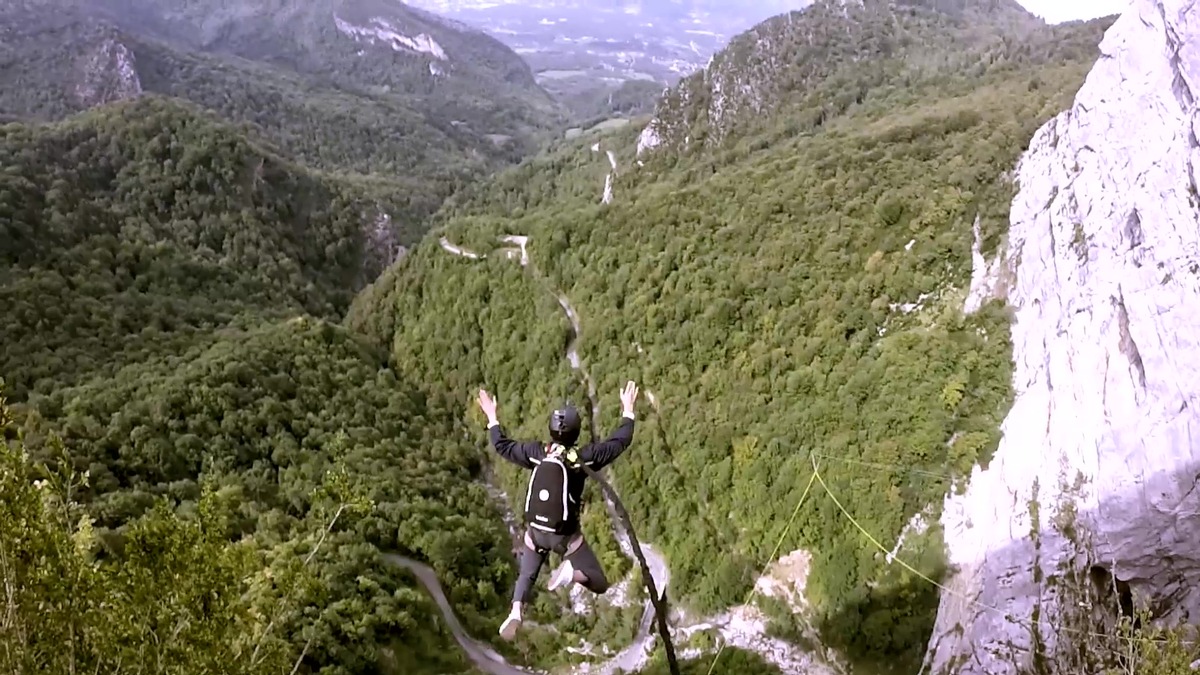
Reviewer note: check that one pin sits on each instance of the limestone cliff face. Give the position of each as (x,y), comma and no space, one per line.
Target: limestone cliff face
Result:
(759,67)
(787,59)
(107,73)
(1096,478)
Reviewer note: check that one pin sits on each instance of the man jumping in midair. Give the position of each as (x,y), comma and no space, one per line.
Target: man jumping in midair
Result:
(553,499)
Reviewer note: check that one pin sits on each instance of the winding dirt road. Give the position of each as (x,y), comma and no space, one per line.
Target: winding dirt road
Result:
(481,654)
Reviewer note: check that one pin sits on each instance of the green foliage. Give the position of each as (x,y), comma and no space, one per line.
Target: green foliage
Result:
(758,289)
(294,80)
(175,589)
(68,611)
(136,229)
(733,661)
(296,423)
(1141,648)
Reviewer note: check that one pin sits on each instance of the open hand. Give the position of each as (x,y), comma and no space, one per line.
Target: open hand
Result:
(487,404)
(629,396)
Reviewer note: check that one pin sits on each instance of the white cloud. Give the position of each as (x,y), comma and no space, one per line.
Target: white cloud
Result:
(1057,11)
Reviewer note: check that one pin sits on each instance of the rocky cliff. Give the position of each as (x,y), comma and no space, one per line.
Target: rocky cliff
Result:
(828,57)
(370,43)
(49,56)
(107,73)
(1094,485)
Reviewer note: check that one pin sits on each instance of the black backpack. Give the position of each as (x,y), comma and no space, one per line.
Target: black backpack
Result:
(548,502)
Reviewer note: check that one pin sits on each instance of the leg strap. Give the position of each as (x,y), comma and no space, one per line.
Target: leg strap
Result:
(540,550)
(574,544)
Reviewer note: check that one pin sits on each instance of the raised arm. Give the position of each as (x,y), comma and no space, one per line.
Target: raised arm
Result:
(600,455)
(522,453)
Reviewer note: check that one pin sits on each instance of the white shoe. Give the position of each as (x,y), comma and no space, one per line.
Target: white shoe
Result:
(508,629)
(563,576)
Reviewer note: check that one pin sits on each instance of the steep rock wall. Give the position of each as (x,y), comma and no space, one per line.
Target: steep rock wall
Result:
(107,73)
(1099,466)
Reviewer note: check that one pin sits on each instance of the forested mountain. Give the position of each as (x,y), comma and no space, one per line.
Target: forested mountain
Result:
(349,85)
(172,292)
(838,56)
(784,271)
(580,49)
(135,229)
(188,345)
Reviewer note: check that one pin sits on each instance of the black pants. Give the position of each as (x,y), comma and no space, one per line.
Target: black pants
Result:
(573,547)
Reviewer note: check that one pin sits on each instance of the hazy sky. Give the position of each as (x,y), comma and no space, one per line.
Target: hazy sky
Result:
(1057,11)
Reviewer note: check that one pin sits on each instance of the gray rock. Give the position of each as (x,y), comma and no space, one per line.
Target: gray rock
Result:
(1103,272)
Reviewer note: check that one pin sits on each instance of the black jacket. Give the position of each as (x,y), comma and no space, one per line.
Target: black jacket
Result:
(596,456)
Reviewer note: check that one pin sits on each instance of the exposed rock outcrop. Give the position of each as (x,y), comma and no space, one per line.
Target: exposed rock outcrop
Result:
(107,73)
(381,30)
(1098,471)
(382,242)
(787,59)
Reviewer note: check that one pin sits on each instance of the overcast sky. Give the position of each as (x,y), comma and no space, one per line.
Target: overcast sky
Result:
(1057,11)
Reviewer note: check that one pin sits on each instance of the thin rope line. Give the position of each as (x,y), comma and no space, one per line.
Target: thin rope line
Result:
(1007,617)
(778,544)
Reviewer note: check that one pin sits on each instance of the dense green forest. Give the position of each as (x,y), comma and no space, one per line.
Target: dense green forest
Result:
(755,286)
(173,291)
(291,78)
(64,612)
(136,229)
(345,462)
(226,403)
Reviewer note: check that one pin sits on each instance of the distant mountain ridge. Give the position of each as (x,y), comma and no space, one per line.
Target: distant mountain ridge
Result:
(365,86)
(318,37)
(830,56)
(372,48)
(577,47)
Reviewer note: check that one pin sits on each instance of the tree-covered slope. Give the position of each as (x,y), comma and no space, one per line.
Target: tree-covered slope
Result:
(64,613)
(139,228)
(322,460)
(172,289)
(790,290)
(830,56)
(445,70)
(303,76)
(171,292)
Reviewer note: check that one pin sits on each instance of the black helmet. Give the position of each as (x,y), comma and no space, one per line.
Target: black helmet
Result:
(564,425)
